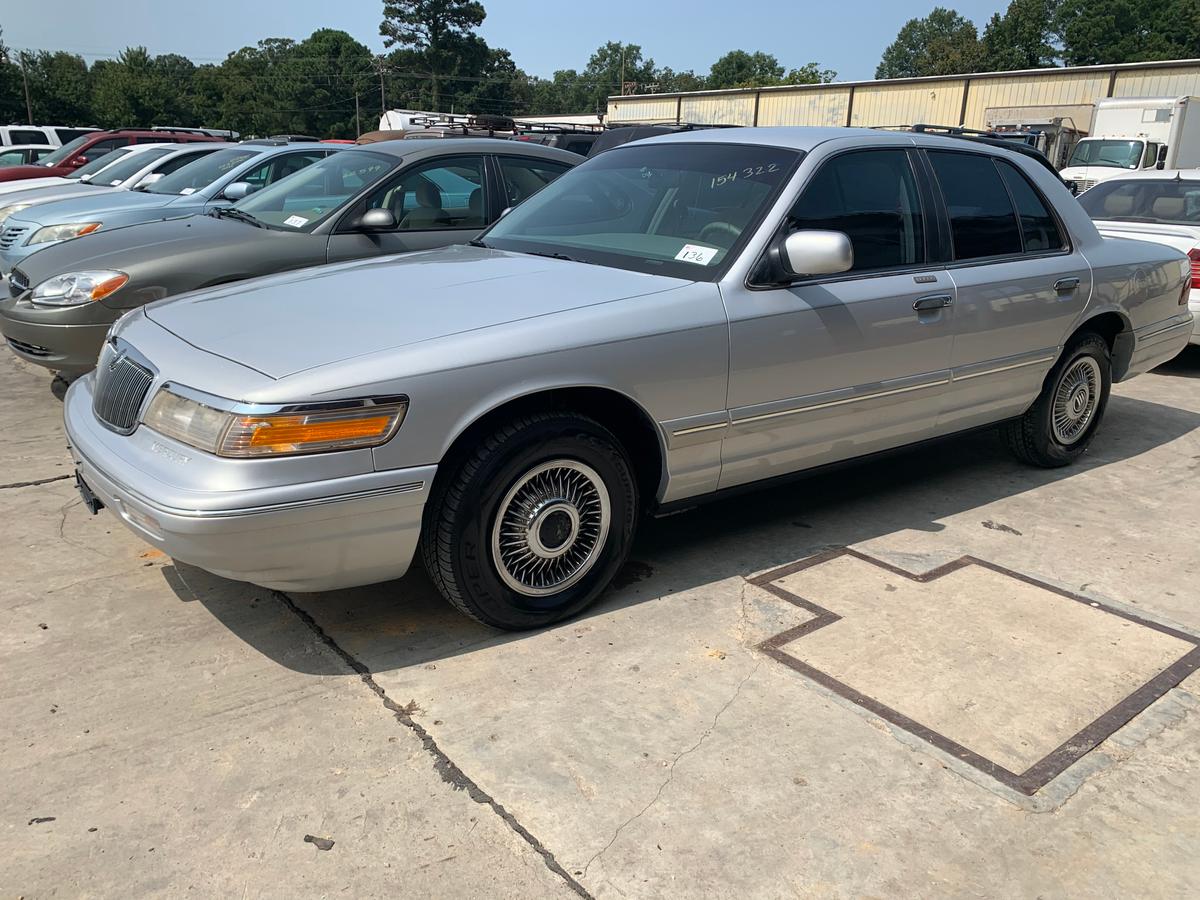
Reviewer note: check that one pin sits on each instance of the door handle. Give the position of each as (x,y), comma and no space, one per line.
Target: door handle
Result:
(933,301)
(1066,284)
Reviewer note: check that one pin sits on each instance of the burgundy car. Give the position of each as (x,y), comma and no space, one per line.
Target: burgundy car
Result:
(93,145)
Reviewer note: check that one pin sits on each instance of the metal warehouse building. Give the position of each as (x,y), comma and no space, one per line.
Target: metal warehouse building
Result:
(970,100)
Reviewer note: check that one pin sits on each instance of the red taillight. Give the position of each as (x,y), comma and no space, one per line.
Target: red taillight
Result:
(1194,256)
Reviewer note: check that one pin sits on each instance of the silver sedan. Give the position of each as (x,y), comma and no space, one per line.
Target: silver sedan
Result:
(671,320)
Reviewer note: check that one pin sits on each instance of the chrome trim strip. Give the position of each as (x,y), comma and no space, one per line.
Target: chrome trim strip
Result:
(998,369)
(258,409)
(1163,330)
(842,402)
(699,428)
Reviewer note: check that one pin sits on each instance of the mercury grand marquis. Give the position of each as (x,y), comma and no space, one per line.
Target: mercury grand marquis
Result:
(672,319)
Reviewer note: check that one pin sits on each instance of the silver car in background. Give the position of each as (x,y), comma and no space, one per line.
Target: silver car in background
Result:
(672,319)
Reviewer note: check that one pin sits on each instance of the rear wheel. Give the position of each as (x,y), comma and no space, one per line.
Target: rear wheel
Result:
(1060,424)
(534,523)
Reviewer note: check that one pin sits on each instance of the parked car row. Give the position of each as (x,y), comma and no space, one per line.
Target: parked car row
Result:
(671,320)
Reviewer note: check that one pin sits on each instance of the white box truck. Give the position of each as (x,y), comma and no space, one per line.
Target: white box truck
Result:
(1136,133)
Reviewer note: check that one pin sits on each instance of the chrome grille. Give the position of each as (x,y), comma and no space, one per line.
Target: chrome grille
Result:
(1085,184)
(10,235)
(120,387)
(18,283)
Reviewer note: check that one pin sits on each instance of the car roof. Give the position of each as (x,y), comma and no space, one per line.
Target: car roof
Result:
(1157,175)
(805,138)
(415,150)
(27,147)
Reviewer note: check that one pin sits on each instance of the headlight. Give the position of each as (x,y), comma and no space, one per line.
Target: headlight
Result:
(75,288)
(6,211)
(291,430)
(63,232)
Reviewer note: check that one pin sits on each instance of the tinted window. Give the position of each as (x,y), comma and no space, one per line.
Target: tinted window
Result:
(525,177)
(1039,230)
(99,148)
(63,153)
(671,209)
(69,134)
(12,158)
(982,221)
(99,163)
(444,194)
(19,136)
(129,166)
(178,162)
(872,197)
(1144,200)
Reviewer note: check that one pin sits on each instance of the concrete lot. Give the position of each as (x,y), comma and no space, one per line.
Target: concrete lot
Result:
(753,712)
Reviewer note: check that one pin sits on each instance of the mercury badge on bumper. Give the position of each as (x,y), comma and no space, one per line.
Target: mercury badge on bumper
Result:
(671,319)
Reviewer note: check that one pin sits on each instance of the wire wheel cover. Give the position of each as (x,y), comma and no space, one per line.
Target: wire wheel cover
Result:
(1076,399)
(551,527)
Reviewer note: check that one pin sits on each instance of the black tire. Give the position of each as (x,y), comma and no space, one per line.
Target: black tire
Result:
(1033,437)
(457,541)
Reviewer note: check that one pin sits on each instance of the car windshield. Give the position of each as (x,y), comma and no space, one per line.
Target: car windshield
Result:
(1115,154)
(99,163)
(1174,202)
(66,151)
(673,209)
(126,168)
(202,172)
(300,201)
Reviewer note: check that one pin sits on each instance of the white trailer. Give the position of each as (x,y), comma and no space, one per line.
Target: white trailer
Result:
(1131,133)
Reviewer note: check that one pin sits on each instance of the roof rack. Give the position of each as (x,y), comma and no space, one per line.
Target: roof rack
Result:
(558,128)
(676,126)
(461,124)
(992,138)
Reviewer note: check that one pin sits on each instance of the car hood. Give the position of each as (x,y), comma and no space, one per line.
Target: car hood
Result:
(1181,237)
(93,206)
(19,173)
(288,323)
(48,193)
(25,184)
(189,238)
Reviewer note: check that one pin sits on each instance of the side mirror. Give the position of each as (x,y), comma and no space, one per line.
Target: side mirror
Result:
(817,253)
(1073,187)
(238,190)
(376,220)
(148,180)
(76,162)
(1161,161)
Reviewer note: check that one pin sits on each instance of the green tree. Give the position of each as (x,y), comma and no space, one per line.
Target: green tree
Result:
(137,89)
(432,28)
(1021,38)
(59,87)
(737,68)
(942,43)
(12,94)
(1095,32)
(669,81)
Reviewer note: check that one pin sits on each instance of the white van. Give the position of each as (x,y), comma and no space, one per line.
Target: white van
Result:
(53,135)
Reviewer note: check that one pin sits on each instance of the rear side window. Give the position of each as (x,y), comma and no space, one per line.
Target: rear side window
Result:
(871,196)
(982,220)
(1039,230)
(27,136)
(525,177)
(66,135)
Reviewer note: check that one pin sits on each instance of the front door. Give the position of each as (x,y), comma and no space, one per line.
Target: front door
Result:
(434,204)
(835,367)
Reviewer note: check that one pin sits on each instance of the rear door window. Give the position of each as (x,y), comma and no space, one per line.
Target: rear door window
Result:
(871,196)
(983,222)
(525,177)
(27,136)
(1039,229)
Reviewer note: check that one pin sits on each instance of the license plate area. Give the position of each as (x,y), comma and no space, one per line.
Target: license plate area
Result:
(90,500)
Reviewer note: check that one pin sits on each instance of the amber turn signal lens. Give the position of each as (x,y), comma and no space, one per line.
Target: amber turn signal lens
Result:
(280,433)
(108,286)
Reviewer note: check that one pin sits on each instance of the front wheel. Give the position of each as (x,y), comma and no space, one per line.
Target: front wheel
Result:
(1062,421)
(533,525)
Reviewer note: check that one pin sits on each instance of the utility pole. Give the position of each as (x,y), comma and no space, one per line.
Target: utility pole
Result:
(382,101)
(25,82)
(357,124)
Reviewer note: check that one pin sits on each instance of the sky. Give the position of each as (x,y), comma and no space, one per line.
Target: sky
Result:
(848,35)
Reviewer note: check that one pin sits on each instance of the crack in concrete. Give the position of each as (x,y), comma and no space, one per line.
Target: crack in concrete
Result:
(34,483)
(446,768)
(671,770)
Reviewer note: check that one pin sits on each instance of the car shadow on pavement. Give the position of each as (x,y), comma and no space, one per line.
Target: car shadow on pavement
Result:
(406,623)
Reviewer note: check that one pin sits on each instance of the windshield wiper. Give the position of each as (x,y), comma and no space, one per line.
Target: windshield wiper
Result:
(552,255)
(222,211)
(478,243)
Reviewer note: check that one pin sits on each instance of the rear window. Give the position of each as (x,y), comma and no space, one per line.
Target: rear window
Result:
(982,220)
(1039,228)
(1171,201)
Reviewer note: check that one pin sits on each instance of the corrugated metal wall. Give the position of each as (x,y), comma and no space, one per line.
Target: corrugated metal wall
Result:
(908,101)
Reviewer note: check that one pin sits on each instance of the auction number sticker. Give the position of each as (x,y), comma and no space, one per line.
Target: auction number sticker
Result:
(694,253)
(295,221)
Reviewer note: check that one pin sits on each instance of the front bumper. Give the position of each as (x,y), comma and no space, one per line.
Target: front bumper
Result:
(337,533)
(66,339)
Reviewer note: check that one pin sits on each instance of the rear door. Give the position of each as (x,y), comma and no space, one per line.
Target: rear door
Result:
(1020,286)
(435,203)
(833,367)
